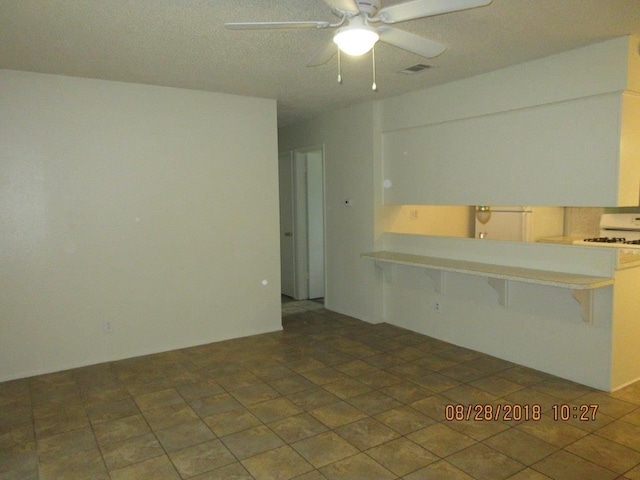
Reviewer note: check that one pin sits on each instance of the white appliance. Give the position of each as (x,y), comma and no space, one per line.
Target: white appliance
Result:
(619,230)
(518,224)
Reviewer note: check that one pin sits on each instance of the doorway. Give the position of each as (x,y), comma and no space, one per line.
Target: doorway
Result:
(302,231)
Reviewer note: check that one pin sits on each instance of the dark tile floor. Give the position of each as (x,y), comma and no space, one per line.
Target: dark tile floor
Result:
(330,397)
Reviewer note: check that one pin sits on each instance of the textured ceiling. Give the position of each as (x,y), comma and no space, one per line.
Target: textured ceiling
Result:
(182,43)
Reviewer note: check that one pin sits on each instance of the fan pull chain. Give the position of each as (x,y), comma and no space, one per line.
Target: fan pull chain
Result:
(339,69)
(374,87)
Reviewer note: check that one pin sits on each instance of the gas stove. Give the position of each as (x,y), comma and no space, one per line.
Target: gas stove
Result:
(617,241)
(620,230)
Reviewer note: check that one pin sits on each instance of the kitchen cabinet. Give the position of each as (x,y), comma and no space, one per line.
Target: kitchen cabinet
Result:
(580,152)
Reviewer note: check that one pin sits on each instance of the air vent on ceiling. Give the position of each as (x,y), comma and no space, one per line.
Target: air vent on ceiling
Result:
(415,69)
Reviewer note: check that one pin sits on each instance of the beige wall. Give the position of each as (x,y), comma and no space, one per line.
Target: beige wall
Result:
(152,208)
(549,132)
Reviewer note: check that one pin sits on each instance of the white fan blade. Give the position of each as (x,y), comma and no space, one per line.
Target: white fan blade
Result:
(411,42)
(345,5)
(323,55)
(269,25)
(425,8)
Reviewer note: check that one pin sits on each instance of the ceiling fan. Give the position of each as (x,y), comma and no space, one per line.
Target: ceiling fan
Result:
(362,23)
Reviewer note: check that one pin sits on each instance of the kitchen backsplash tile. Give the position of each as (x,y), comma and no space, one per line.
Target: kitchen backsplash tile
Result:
(582,221)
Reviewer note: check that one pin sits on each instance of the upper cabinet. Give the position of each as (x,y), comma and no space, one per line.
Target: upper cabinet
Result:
(552,132)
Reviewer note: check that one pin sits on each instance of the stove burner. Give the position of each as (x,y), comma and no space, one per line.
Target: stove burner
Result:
(619,230)
(608,240)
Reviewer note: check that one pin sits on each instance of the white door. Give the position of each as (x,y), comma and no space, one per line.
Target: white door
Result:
(315,223)
(287,251)
(302,223)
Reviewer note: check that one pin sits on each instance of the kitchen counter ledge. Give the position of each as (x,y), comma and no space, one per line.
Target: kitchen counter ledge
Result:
(528,275)
(498,276)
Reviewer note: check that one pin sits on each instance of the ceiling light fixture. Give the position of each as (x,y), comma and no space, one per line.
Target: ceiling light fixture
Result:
(357,38)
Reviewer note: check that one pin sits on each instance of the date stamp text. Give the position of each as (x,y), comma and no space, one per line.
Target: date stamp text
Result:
(518,412)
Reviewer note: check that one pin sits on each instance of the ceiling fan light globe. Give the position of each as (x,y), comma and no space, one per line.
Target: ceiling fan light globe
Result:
(356,41)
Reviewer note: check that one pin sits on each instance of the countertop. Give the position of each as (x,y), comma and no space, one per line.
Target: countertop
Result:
(528,275)
(628,260)
(568,240)
(625,260)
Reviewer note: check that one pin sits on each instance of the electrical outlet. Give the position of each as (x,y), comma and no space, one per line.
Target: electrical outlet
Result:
(437,306)
(107,326)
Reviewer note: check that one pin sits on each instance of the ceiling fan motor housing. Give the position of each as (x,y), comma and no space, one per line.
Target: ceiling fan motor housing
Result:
(369,7)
